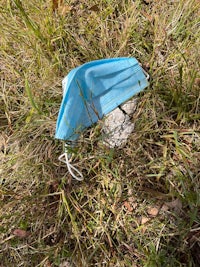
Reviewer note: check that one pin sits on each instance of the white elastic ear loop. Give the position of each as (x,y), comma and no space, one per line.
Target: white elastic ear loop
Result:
(71,168)
(146,74)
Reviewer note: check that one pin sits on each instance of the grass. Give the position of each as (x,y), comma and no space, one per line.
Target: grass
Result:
(138,206)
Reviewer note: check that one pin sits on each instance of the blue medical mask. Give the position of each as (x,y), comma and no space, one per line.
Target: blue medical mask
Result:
(93,90)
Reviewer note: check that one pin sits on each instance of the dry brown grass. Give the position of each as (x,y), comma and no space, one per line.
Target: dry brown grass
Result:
(138,206)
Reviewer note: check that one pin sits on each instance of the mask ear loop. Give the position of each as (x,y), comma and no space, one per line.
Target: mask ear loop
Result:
(70,167)
(146,74)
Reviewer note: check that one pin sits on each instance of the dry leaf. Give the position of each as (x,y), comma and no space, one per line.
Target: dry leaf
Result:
(65,264)
(144,219)
(153,211)
(47,264)
(175,204)
(133,202)
(165,208)
(127,205)
(21,233)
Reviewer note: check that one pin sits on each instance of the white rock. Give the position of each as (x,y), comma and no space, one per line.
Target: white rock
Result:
(118,125)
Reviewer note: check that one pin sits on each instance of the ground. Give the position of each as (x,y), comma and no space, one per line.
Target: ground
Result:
(138,205)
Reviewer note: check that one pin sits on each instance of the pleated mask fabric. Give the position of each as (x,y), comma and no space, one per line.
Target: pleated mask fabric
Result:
(94,89)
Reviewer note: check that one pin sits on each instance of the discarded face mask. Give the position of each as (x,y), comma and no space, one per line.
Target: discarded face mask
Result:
(93,90)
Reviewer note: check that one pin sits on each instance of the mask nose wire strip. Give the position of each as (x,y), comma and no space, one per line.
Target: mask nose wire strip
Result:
(70,167)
